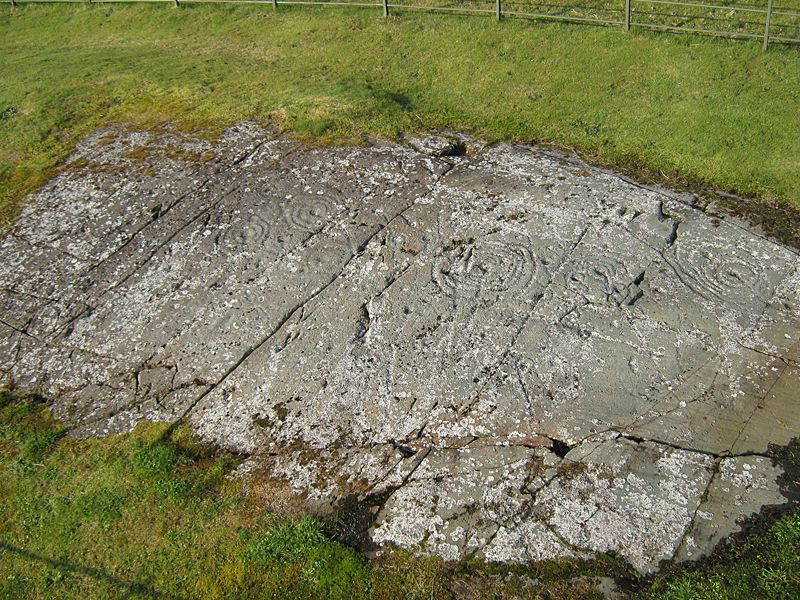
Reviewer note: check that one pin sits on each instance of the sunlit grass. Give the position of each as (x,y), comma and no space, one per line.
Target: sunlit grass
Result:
(680,109)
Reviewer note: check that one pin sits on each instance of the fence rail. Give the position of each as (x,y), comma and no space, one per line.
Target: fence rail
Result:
(747,19)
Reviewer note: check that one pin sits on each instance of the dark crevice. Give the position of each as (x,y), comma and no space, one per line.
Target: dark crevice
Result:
(630,294)
(700,502)
(638,295)
(673,235)
(23,330)
(560,448)
(663,217)
(639,440)
(456,148)
(406,451)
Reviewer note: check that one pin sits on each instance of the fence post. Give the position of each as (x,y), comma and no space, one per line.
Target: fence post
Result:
(385,8)
(628,15)
(498,10)
(769,22)
(275,4)
(175,3)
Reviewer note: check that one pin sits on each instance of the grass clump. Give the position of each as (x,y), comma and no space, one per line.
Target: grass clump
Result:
(684,110)
(28,432)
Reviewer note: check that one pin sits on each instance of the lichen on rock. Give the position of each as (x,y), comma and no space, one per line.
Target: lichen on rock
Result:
(522,356)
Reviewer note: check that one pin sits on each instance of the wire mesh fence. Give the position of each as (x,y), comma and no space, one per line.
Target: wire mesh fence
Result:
(770,21)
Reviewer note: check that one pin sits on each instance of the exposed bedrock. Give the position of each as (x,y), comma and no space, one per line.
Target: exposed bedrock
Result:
(523,356)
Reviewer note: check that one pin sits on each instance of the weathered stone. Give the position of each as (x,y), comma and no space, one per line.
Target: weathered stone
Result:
(439,146)
(739,489)
(636,499)
(521,356)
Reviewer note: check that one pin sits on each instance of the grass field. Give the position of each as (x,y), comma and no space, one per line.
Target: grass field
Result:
(153,514)
(686,110)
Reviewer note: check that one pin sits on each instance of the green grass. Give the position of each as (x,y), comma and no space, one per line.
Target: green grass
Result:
(763,567)
(686,110)
(155,514)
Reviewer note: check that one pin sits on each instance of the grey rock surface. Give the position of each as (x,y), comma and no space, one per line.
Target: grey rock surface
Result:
(523,357)
(439,145)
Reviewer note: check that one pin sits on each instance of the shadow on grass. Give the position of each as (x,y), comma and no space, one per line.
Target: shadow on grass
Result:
(127,588)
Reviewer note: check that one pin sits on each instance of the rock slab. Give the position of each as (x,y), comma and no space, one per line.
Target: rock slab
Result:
(524,357)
